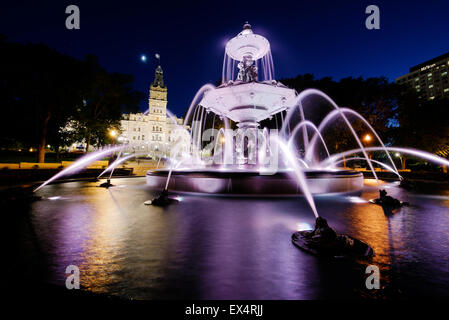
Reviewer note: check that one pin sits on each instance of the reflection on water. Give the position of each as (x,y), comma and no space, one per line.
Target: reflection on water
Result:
(221,248)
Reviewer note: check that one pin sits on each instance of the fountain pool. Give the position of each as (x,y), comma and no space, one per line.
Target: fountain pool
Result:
(228,248)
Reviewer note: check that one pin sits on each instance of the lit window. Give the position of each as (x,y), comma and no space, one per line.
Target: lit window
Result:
(431,86)
(444,73)
(431,98)
(429,75)
(446,89)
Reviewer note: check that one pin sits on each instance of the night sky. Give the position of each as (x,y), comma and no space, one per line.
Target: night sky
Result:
(326,38)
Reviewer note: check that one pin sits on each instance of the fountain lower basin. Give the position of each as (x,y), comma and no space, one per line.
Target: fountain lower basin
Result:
(251,183)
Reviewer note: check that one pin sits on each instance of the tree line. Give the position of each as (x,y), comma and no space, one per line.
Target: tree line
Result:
(48,98)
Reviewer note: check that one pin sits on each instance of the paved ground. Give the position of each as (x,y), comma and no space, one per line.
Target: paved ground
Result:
(140,167)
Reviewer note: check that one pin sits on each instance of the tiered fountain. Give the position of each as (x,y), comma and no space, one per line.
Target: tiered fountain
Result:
(81,225)
(249,160)
(252,159)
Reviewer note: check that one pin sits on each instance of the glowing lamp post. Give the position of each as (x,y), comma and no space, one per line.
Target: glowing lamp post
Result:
(112,133)
(367,138)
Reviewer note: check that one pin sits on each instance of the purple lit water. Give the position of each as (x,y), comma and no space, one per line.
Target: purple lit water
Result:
(235,248)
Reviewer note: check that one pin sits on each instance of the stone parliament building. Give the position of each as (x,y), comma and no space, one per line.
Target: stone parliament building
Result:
(154,132)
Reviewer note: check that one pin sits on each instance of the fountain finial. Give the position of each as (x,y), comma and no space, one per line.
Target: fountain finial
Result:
(246,29)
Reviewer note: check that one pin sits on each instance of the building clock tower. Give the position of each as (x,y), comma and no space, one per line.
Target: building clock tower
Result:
(157,107)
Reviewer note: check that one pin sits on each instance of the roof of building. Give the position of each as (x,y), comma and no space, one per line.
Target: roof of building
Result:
(431,61)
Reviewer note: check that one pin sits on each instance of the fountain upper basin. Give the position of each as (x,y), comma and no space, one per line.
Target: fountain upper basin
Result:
(250,182)
(248,101)
(247,44)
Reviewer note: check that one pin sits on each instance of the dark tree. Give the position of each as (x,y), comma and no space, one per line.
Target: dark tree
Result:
(105,97)
(39,91)
(422,124)
(42,90)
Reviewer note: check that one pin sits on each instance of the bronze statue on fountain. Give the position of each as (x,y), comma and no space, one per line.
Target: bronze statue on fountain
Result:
(323,241)
(387,201)
(162,200)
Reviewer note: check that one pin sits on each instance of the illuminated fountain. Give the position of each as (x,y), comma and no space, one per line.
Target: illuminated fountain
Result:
(236,150)
(233,153)
(250,159)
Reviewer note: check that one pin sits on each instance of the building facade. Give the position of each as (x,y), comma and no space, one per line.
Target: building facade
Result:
(429,79)
(154,132)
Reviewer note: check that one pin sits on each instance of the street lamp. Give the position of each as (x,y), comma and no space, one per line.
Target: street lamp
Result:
(112,133)
(398,155)
(367,138)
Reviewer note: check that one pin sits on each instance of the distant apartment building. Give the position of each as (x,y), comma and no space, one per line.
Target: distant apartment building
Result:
(154,132)
(429,79)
